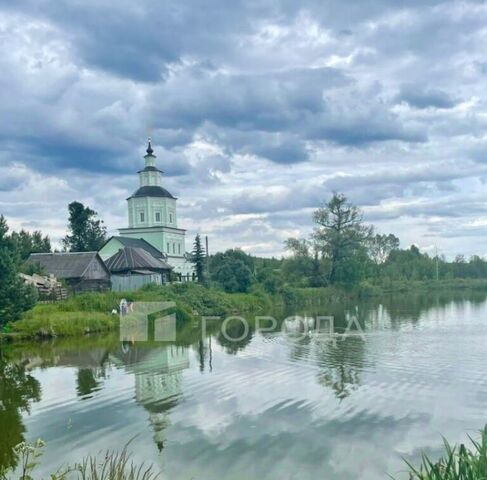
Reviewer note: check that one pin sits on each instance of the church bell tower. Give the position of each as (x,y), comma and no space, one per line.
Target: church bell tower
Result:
(152,215)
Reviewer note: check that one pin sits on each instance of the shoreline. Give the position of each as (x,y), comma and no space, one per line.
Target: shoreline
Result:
(86,314)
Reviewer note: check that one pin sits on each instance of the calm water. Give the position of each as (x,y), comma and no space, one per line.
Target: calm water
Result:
(273,406)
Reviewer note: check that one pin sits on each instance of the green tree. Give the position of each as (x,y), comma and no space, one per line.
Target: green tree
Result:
(27,243)
(15,296)
(270,280)
(233,270)
(235,253)
(300,267)
(298,247)
(380,247)
(409,264)
(233,275)
(342,237)
(198,258)
(86,232)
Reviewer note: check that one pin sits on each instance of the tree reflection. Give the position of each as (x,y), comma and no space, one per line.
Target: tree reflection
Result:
(89,380)
(17,390)
(341,365)
(235,335)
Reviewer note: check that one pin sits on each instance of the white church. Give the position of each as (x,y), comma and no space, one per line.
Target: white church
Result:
(153,223)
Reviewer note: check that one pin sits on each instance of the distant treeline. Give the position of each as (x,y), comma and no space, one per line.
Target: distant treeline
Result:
(342,251)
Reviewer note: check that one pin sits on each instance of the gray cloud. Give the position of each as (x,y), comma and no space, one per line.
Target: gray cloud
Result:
(258,111)
(418,97)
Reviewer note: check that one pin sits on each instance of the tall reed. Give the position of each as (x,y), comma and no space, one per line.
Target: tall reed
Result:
(457,463)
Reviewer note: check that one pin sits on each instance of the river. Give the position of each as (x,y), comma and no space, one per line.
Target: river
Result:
(291,403)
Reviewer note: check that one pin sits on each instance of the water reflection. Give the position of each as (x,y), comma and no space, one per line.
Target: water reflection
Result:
(340,365)
(158,384)
(214,408)
(18,389)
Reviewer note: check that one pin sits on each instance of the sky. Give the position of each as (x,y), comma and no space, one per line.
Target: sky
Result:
(258,111)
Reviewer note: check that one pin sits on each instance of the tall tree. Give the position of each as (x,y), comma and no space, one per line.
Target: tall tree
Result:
(380,247)
(27,243)
(341,236)
(86,232)
(198,259)
(15,296)
(298,269)
(299,247)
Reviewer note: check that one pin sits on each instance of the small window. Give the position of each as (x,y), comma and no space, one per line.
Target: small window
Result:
(142,217)
(168,249)
(179,248)
(170,218)
(158,216)
(173,248)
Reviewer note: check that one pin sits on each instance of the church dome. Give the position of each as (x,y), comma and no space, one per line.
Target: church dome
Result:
(152,191)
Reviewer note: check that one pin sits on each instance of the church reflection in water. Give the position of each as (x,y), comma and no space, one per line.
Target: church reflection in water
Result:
(158,380)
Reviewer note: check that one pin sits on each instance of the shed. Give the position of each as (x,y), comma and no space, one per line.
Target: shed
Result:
(82,271)
(132,268)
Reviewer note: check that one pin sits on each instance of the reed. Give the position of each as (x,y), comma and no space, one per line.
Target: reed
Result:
(110,465)
(457,463)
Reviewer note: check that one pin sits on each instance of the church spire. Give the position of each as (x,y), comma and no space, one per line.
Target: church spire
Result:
(149,148)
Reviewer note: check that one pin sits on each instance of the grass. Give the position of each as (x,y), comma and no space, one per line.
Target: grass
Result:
(457,463)
(91,312)
(47,324)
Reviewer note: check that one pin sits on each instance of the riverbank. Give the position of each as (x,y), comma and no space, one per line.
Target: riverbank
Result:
(91,313)
(335,294)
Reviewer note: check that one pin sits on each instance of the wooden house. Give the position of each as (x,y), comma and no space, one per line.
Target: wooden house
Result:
(82,271)
(132,268)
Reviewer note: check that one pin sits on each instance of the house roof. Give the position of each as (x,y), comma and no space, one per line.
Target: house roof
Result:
(152,191)
(65,265)
(129,259)
(137,243)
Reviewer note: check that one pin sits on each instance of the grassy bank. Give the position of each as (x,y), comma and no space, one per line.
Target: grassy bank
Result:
(91,312)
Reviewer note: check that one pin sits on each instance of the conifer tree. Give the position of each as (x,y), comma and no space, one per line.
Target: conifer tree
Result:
(198,259)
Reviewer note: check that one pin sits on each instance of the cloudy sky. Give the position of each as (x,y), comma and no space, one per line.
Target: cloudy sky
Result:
(258,109)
